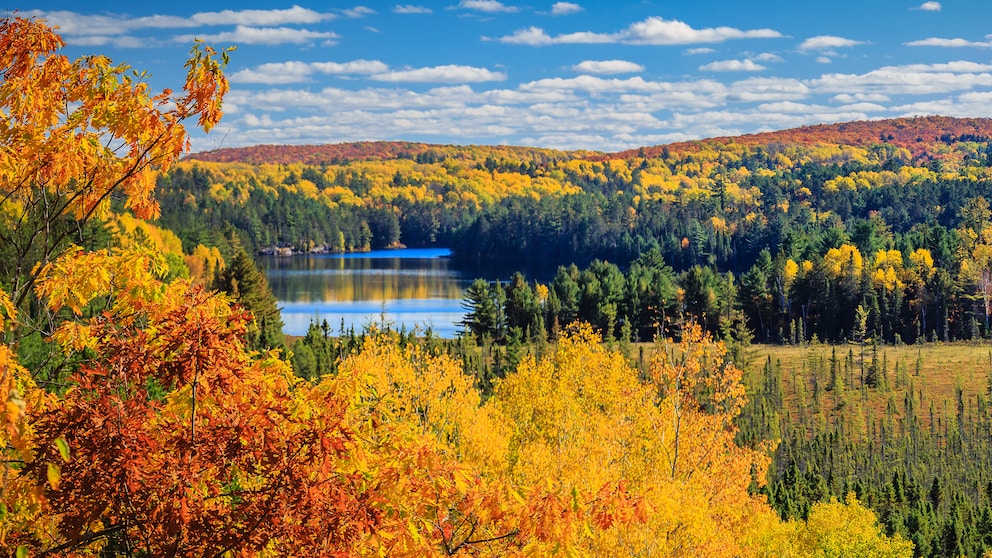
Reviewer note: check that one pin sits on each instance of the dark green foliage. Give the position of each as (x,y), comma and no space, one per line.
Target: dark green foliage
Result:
(290,218)
(246,283)
(927,477)
(481,313)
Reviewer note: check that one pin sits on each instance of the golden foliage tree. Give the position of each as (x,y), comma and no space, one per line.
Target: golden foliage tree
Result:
(74,134)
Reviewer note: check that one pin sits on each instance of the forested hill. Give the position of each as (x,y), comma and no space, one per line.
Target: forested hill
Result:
(920,135)
(335,153)
(716,202)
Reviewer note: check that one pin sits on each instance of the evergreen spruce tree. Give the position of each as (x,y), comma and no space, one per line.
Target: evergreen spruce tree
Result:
(246,283)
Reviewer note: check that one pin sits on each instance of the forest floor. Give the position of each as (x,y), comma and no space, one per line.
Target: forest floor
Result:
(941,366)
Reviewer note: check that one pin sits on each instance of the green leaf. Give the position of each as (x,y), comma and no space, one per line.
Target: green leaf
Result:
(63,448)
(3,511)
(22,552)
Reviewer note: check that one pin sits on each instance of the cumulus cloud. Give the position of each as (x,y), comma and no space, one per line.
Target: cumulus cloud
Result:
(909,79)
(929,7)
(607,104)
(296,14)
(298,72)
(565,8)
(72,24)
(411,9)
(827,42)
(651,31)
(533,36)
(251,27)
(757,89)
(487,6)
(263,36)
(659,31)
(593,84)
(824,60)
(768,57)
(274,73)
(732,66)
(861,97)
(607,67)
(442,74)
(358,11)
(954,43)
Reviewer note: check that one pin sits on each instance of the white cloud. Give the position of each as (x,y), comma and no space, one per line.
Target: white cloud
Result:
(928,7)
(651,31)
(263,36)
(768,57)
(299,72)
(442,74)
(791,107)
(910,79)
(864,107)
(581,112)
(699,50)
(533,36)
(658,31)
(73,24)
(593,84)
(565,8)
(607,67)
(732,66)
(274,73)
(826,42)
(251,27)
(824,60)
(584,37)
(958,66)
(939,42)
(861,97)
(758,89)
(358,11)
(411,9)
(487,6)
(353,67)
(296,14)
(671,100)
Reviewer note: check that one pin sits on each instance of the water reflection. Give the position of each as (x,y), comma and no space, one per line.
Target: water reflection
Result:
(406,288)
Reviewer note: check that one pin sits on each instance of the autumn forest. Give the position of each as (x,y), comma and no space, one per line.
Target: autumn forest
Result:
(765,345)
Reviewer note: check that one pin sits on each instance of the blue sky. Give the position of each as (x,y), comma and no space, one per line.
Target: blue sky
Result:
(572,75)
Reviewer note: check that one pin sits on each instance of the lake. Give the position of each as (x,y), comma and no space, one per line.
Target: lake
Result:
(405,288)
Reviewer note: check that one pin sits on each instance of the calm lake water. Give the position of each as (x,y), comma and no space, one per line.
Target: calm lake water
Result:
(411,288)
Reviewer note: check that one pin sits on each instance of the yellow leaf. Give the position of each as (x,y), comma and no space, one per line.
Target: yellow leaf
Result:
(54,475)
(516,496)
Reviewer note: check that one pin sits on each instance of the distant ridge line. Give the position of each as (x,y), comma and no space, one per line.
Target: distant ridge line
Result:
(905,132)
(914,133)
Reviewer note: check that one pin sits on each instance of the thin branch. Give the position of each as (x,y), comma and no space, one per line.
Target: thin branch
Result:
(85,539)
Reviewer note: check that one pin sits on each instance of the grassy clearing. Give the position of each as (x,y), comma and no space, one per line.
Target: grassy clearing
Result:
(936,368)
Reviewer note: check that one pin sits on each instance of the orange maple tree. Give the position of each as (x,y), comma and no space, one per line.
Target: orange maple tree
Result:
(182,441)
